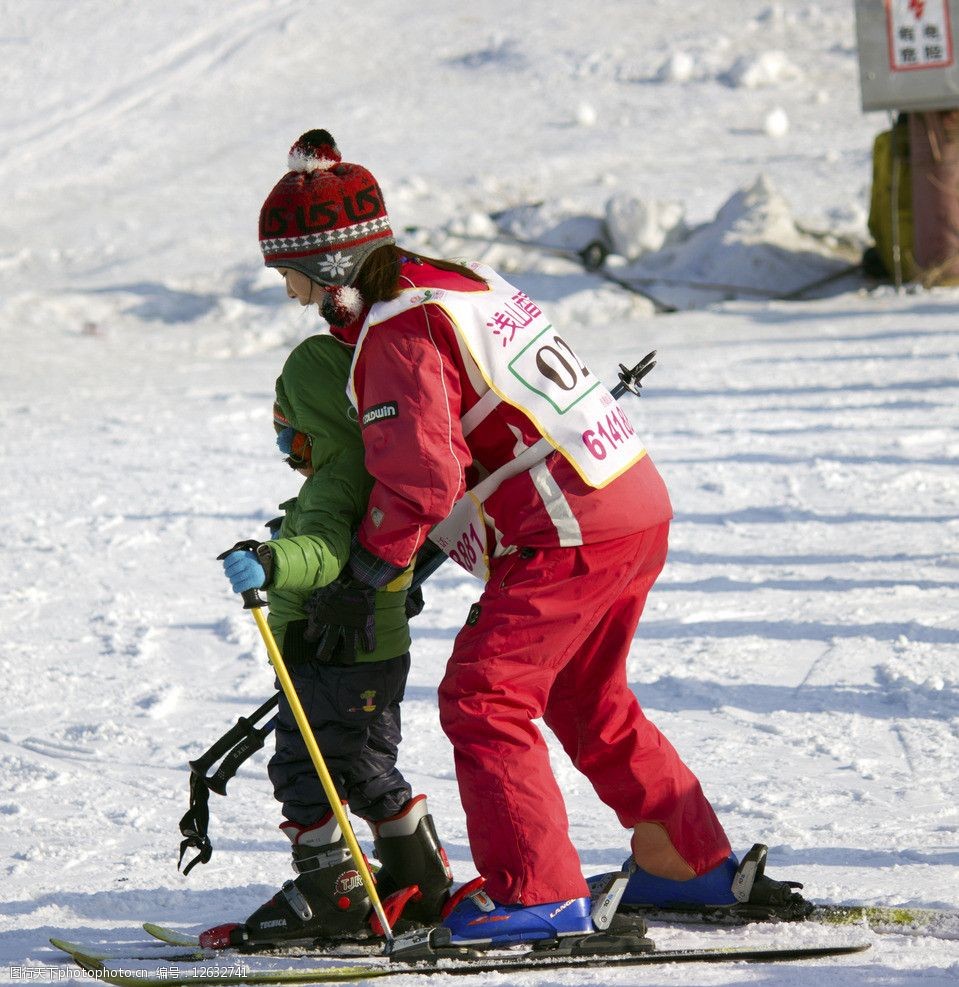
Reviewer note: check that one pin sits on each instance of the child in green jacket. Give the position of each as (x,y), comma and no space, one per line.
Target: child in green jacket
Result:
(349,674)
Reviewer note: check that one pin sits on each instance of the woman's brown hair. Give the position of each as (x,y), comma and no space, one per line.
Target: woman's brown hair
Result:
(379,277)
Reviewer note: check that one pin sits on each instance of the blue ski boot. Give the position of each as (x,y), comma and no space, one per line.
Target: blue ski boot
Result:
(474,919)
(730,891)
(715,887)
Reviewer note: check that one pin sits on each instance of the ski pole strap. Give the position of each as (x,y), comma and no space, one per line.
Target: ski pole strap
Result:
(194,825)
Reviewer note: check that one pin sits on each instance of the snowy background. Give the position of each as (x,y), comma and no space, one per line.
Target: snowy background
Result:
(800,649)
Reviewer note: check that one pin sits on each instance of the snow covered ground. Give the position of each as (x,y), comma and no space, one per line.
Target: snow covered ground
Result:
(801,647)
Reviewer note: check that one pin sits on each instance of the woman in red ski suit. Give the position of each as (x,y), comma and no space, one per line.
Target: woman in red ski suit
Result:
(570,562)
(551,632)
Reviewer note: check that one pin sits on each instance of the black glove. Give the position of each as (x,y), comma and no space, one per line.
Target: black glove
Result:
(341,618)
(414,603)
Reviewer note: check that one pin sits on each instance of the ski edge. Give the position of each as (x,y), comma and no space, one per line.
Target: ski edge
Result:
(345,974)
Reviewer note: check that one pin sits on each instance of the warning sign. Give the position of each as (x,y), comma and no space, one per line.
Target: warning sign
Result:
(919,34)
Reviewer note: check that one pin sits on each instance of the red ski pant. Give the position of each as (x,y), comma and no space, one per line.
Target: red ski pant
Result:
(550,639)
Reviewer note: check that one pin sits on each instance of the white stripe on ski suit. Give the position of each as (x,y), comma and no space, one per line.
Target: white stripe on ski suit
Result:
(554,501)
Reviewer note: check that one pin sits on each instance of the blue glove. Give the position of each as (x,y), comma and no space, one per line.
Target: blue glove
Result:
(244,570)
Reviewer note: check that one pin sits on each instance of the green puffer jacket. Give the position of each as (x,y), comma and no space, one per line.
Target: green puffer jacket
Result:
(314,542)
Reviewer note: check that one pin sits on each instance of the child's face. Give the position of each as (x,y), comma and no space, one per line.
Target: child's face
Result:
(300,287)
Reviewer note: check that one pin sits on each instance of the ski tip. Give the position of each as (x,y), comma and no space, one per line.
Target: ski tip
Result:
(171,936)
(65,946)
(856,947)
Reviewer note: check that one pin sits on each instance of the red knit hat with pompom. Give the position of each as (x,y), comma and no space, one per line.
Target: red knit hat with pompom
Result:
(325,216)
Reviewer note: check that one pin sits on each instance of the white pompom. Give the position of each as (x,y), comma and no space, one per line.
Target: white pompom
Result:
(350,299)
(298,161)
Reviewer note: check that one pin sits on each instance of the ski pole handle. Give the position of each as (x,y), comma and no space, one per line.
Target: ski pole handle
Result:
(251,597)
(629,380)
(243,751)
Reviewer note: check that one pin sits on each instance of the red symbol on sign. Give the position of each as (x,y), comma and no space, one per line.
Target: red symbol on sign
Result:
(917,7)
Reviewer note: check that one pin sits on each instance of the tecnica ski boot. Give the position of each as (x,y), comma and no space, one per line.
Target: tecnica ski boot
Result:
(327,900)
(413,857)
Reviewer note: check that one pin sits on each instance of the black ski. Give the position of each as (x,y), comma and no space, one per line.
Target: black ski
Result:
(239,970)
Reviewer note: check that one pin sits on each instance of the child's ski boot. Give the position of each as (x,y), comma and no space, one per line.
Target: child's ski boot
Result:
(327,900)
(412,858)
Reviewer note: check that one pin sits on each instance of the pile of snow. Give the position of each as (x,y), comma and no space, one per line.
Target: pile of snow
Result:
(754,247)
(680,66)
(776,122)
(639,226)
(553,224)
(769,68)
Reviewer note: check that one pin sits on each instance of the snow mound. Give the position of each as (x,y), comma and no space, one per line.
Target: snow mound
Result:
(753,247)
(770,68)
(639,226)
(631,227)
(556,225)
(680,66)
(776,122)
(501,53)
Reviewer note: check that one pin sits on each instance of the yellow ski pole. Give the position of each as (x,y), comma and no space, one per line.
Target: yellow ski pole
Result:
(253,602)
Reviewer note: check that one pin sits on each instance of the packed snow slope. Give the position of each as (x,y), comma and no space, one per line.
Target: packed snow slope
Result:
(801,647)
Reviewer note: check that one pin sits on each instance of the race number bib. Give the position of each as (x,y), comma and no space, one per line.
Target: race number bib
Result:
(525,360)
(463,536)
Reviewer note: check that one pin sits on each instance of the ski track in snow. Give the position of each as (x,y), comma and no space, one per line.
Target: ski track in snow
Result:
(185,62)
(801,647)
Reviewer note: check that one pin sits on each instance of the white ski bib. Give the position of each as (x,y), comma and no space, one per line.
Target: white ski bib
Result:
(526,363)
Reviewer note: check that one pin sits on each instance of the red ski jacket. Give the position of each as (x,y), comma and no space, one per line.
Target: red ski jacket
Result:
(414,382)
